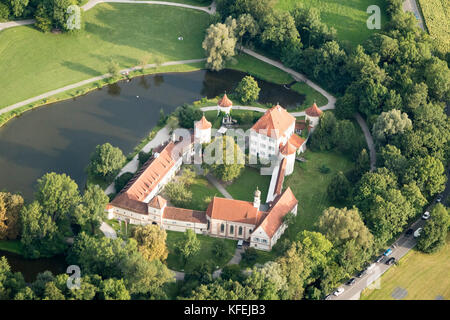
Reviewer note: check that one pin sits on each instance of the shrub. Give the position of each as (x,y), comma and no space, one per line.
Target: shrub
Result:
(4,12)
(324,169)
(122,181)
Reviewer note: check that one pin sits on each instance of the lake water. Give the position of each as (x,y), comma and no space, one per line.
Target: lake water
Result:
(61,137)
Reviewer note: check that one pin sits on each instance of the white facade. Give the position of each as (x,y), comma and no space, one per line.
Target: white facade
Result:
(202,135)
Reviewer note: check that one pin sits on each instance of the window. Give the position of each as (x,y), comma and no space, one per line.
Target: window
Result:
(222,228)
(257,239)
(231,229)
(240,231)
(207,227)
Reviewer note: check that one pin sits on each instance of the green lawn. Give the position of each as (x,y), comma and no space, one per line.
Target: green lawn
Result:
(245,185)
(259,69)
(348,17)
(14,246)
(311,95)
(200,3)
(436,14)
(205,254)
(310,187)
(32,62)
(423,276)
(201,190)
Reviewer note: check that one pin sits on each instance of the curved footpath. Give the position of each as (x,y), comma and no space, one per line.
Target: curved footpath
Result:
(92,3)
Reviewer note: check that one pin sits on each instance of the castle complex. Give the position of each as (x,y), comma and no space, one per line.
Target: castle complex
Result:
(258,223)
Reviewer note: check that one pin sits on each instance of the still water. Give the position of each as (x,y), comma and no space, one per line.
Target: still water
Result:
(61,137)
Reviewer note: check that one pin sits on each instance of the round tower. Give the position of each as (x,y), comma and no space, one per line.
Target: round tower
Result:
(202,130)
(224,104)
(257,198)
(313,114)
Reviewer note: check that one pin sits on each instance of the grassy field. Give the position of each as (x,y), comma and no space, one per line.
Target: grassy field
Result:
(259,69)
(310,187)
(437,19)
(205,254)
(245,185)
(14,246)
(32,62)
(348,17)
(423,276)
(311,95)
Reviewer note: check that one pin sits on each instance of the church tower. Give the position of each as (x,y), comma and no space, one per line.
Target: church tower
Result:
(257,198)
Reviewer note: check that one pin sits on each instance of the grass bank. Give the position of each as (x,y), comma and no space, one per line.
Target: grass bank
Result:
(123,32)
(14,246)
(436,14)
(348,17)
(422,276)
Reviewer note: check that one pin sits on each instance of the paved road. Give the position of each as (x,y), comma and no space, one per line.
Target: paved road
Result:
(411,6)
(369,140)
(11,24)
(402,246)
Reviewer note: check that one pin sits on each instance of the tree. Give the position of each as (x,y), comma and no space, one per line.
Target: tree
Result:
(10,206)
(323,136)
(151,240)
(434,234)
(60,14)
(122,180)
(392,158)
(143,158)
(219,44)
(437,77)
(4,12)
(10,283)
(292,268)
(187,115)
(248,89)
(339,188)
(40,236)
(57,194)
(106,161)
(172,123)
(189,245)
(18,7)
(362,162)
(43,17)
(178,193)
(428,173)
(90,213)
(225,159)
(246,27)
(342,225)
(113,68)
(279,29)
(114,289)
(389,124)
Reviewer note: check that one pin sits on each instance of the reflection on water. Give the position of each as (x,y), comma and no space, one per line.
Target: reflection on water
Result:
(62,136)
(31,267)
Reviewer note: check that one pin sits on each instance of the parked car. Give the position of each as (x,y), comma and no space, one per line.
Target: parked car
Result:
(387,252)
(390,261)
(426,215)
(409,232)
(361,274)
(339,291)
(240,244)
(328,297)
(439,199)
(351,282)
(379,259)
(417,233)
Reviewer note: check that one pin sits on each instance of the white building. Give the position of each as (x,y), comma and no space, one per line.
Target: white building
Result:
(202,131)
(273,137)
(224,105)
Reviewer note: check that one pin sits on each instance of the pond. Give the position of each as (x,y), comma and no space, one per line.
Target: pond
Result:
(61,137)
(31,267)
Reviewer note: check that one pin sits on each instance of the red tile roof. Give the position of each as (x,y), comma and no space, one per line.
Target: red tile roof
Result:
(203,124)
(283,204)
(313,111)
(296,141)
(187,215)
(274,122)
(146,179)
(288,148)
(157,202)
(233,210)
(280,179)
(225,102)
(300,125)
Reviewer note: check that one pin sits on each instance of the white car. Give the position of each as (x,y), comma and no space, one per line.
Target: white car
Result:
(417,233)
(339,291)
(426,215)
